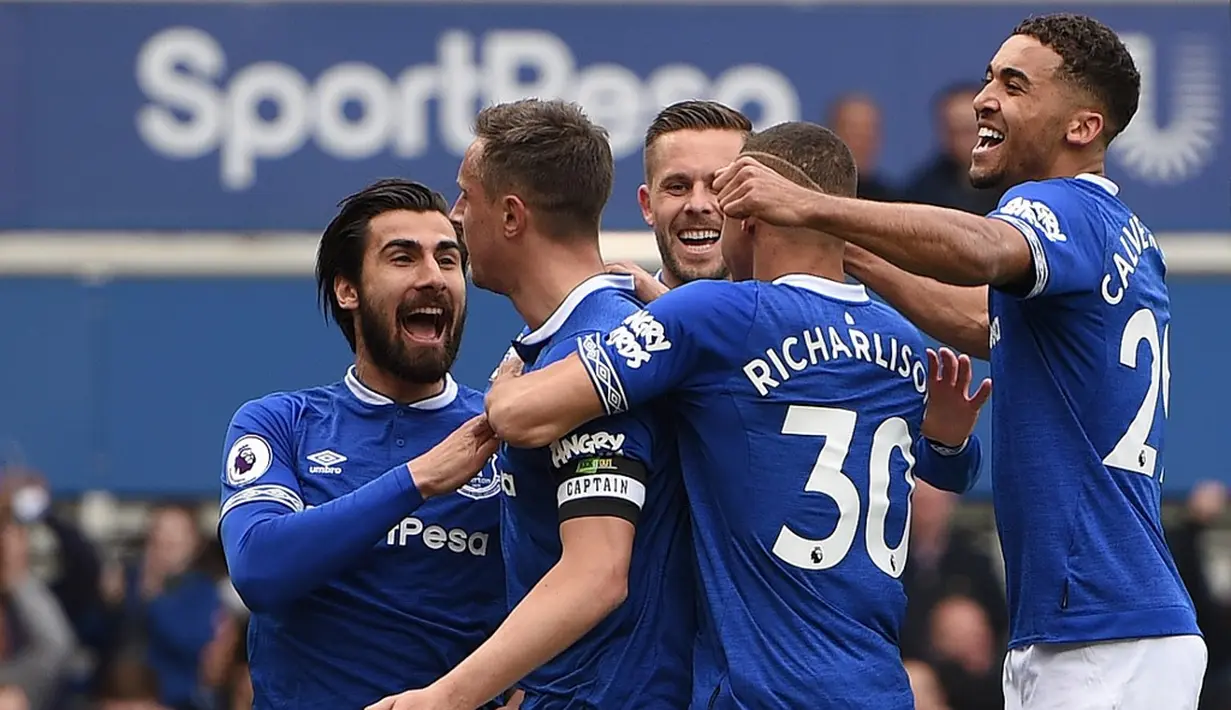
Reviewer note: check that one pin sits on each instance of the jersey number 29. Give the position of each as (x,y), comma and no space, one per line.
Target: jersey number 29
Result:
(838,428)
(1131,452)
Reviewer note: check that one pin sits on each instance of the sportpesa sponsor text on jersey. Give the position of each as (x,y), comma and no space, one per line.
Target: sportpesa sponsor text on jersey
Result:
(331,628)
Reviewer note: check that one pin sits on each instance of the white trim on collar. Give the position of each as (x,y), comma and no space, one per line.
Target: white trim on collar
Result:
(367,395)
(556,321)
(1101,181)
(852,293)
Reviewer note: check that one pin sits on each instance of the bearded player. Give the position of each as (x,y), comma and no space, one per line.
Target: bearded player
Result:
(354,524)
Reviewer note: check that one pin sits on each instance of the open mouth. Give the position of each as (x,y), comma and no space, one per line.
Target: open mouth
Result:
(698,239)
(426,324)
(989,138)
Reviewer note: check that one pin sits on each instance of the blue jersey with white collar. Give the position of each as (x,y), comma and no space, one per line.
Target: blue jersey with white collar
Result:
(1081,370)
(626,466)
(797,405)
(343,617)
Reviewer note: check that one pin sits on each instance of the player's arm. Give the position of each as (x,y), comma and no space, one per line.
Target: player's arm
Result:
(948,245)
(947,453)
(279,550)
(600,495)
(537,408)
(654,351)
(956,315)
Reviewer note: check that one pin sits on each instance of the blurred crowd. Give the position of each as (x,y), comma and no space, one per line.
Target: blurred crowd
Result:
(152,623)
(941,180)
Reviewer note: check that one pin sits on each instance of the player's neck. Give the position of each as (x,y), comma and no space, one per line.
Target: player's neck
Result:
(549,278)
(777,258)
(670,280)
(1074,164)
(392,386)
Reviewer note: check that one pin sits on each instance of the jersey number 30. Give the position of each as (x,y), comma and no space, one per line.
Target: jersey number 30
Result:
(1131,452)
(838,428)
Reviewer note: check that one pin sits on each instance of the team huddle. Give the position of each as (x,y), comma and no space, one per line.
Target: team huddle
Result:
(693,489)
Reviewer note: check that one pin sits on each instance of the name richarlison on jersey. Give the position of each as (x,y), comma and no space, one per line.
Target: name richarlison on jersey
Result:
(826,343)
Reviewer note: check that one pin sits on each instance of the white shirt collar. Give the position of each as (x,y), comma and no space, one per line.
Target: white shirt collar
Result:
(367,395)
(1112,188)
(556,321)
(851,293)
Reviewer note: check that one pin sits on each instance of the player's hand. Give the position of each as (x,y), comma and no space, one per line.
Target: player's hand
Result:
(748,189)
(952,411)
(510,366)
(647,287)
(454,461)
(425,699)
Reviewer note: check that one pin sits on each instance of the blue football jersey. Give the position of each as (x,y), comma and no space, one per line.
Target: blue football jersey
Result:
(420,600)
(640,655)
(1081,370)
(797,405)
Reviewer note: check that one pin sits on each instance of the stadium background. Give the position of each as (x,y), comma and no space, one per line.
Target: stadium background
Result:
(165,169)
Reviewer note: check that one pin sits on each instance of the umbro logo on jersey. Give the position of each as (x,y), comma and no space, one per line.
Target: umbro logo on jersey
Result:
(326,462)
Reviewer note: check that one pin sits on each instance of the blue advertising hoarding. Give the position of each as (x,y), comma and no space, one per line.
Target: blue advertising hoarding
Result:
(261,116)
(128,385)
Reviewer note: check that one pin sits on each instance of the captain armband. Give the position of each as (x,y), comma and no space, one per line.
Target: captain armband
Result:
(602,485)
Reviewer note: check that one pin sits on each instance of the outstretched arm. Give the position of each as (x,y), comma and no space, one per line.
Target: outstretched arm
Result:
(600,494)
(652,352)
(948,245)
(588,583)
(535,409)
(955,315)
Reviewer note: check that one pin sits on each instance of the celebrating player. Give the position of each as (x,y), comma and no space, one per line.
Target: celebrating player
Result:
(594,528)
(685,146)
(363,571)
(797,401)
(1076,324)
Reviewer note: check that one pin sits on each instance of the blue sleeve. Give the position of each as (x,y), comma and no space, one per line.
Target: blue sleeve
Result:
(1067,260)
(675,343)
(602,468)
(951,470)
(277,549)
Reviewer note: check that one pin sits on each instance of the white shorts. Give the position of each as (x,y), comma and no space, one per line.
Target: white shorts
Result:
(1138,674)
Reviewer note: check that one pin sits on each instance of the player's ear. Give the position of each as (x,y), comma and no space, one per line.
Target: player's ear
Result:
(515,216)
(1084,128)
(643,199)
(346,293)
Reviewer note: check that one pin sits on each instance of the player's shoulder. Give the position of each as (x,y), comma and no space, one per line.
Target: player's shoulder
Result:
(278,406)
(1055,204)
(1049,206)
(711,296)
(600,310)
(886,320)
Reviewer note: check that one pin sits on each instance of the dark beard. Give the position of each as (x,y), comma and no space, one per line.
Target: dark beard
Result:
(671,265)
(421,366)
